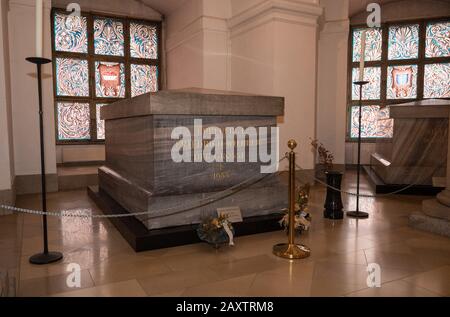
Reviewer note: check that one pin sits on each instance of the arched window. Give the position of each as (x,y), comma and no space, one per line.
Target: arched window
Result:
(98,59)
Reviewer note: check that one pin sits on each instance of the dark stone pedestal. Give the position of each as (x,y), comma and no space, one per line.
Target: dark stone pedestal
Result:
(142,239)
(333,203)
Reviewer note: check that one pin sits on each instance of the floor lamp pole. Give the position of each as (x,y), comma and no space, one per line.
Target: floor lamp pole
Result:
(46,257)
(357,213)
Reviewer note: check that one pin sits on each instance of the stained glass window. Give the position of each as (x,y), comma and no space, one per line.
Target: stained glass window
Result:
(438,40)
(70,33)
(97,59)
(143,41)
(375,122)
(72,77)
(403,42)
(373,44)
(143,79)
(371,91)
(110,80)
(437,81)
(407,60)
(402,82)
(100,123)
(73,121)
(108,37)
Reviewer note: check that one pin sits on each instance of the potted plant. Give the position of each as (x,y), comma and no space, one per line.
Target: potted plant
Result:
(333,202)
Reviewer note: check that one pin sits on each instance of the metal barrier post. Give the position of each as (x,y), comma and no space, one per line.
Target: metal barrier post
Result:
(291,250)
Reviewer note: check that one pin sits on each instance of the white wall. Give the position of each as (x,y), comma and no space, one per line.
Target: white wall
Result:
(6,141)
(184,46)
(332,77)
(274,52)
(24,95)
(408,10)
(254,46)
(197,45)
(131,8)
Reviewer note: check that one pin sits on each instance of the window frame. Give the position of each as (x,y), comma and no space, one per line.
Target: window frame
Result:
(384,63)
(91,57)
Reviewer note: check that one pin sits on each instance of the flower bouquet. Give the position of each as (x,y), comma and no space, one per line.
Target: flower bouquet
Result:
(216,231)
(302,218)
(325,157)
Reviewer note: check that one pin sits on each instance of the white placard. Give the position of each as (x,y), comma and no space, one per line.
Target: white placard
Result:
(234,213)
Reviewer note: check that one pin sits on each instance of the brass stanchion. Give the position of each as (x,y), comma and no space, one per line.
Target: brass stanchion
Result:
(291,250)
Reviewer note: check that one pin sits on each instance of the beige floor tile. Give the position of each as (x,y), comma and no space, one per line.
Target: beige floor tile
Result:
(432,252)
(204,258)
(333,278)
(401,234)
(292,280)
(340,273)
(110,271)
(247,266)
(394,289)
(234,287)
(437,280)
(177,293)
(391,274)
(31,271)
(353,244)
(396,259)
(250,246)
(347,257)
(323,288)
(35,245)
(321,246)
(121,289)
(179,250)
(337,266)
(86,257)
(177,281)
(46,286)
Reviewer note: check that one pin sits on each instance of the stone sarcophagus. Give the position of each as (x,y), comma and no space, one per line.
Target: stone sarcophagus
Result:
(167,152)
(416,155)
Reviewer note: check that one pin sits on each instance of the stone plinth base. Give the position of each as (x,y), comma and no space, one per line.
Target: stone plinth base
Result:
(142,239)
(434,225)
(269,196)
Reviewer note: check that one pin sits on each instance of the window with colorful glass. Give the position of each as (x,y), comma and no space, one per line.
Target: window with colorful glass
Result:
(403,62)
(98,60)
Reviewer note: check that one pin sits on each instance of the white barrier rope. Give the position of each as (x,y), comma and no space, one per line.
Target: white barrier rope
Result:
(364,195)
(83,213)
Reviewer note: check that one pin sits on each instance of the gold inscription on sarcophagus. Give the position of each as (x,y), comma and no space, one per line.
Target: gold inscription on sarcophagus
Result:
(220,173)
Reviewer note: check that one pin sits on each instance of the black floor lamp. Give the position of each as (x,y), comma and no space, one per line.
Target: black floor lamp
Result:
(357,213)
(45,257)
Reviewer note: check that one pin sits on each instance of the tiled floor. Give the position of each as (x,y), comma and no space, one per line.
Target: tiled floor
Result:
(413,263)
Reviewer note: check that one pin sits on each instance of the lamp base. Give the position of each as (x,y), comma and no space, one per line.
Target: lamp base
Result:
(358,214)
(46,258)
(291,251)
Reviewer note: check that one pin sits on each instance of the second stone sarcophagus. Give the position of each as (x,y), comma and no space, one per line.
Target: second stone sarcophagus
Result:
(140,171)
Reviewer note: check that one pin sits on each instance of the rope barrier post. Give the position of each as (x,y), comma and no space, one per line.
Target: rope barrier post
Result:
(291,250)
